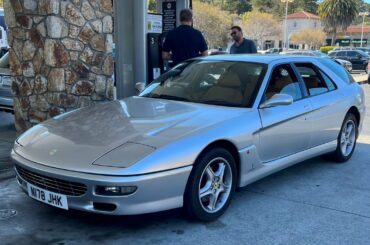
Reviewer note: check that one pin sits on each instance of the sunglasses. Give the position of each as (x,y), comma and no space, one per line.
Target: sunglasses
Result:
(233,33)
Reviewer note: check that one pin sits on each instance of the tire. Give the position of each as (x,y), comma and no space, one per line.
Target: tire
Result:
(346,141)
(217,188)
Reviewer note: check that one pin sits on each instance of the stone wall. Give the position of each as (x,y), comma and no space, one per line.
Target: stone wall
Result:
(60,56)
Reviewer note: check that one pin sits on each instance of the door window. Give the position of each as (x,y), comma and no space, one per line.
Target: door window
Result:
(315,81)
(352,54)
(341,53)
(283,81)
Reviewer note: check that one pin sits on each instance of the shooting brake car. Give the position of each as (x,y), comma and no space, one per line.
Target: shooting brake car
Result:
(192,136)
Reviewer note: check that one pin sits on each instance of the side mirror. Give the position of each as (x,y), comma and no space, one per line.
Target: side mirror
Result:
(277,100)
(140,86)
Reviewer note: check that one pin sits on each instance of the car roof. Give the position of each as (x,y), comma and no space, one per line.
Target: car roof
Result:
(266,59)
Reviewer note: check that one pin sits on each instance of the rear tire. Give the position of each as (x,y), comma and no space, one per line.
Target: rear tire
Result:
(211,185)
(346,141)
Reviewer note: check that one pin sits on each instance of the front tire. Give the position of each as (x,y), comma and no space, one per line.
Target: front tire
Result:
(211,185)
(346,141)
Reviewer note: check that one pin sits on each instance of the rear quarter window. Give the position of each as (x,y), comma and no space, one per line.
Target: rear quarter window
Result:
(339,70)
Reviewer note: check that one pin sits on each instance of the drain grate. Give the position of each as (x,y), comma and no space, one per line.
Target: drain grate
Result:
(7,213)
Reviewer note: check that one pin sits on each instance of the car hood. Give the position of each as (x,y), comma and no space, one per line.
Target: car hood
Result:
(131,129)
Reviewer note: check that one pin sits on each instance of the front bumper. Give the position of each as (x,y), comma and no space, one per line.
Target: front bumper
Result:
(155,192)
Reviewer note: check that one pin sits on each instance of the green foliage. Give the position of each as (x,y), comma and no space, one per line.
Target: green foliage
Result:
(237,6)
(338,14)
(213,23)
(277,7)
(326,49)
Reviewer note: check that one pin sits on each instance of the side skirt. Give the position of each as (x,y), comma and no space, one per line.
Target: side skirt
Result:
(282,163)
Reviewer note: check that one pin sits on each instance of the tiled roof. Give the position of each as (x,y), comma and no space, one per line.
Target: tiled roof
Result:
(303,15)
(357,29)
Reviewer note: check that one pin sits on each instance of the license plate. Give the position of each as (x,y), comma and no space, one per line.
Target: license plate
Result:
(7,81)
(48,197)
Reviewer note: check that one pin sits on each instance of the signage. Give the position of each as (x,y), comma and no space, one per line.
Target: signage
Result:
(343,42)
(169,15)
(154,23)
(358,41)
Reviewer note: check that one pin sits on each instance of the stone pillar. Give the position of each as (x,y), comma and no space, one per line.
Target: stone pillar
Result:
(60,56)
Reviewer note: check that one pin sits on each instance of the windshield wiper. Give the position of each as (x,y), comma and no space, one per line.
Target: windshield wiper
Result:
(167,97)
(221,103)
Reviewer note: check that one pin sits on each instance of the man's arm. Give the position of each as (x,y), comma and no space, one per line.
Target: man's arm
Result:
(203,46)
(253,48)
(204,53)
(167,47)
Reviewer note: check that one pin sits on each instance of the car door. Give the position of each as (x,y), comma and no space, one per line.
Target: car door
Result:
(326,103)
(356,59)
(285,129)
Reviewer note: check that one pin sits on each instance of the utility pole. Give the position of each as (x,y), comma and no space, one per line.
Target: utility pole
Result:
(285,43)
(363,14)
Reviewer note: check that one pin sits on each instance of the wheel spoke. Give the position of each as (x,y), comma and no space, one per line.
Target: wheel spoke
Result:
(221,171)
(212,202)
(349,129)
(210,173)
(206,190)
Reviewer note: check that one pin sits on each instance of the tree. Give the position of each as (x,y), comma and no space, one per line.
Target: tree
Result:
(311,6)
(237,6)
(277,8)
(260,26)
(213,23)
(338,14)
(311,37)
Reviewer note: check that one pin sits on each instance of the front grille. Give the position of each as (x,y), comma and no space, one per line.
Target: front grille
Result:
(52,184)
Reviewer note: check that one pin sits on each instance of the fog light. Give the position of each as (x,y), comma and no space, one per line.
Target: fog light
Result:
(115,190)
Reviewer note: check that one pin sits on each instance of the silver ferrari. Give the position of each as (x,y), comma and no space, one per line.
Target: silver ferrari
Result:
(193,136)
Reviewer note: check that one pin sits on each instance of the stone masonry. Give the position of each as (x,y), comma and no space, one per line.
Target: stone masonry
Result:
(60,56)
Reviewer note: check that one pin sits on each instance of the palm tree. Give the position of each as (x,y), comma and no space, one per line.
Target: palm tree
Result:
(338,14)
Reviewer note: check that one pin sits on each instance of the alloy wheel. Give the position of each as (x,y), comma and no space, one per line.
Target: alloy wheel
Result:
(348,138)
(215,185)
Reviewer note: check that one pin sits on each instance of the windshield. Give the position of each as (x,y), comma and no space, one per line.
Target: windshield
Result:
(225,83)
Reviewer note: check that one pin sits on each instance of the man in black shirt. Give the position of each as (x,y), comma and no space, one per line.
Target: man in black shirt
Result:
(184,42)
(241,45)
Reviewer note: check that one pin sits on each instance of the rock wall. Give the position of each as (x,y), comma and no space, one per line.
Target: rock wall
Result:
(60,56)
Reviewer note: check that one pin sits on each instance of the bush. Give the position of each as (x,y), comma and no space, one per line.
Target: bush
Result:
(326,49)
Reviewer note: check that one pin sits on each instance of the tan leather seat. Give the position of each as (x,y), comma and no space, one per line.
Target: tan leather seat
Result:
(228,89)
(311,82)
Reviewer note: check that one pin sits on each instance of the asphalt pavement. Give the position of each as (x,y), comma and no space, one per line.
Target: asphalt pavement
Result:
(314,202)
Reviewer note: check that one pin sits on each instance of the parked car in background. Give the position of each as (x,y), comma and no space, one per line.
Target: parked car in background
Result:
(346,64)
(270,51)
(6,97)
(358,58)
(3,35)
(364,49)
(192,136)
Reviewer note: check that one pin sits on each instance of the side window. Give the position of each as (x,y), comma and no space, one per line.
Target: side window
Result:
(329,83)
(352,54)
(314,83)
(338,70)
(283,81)
(341,53)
